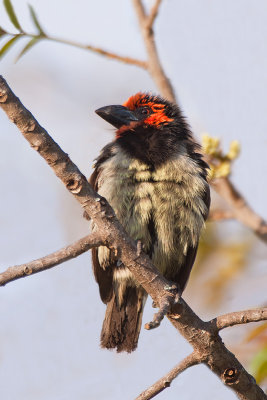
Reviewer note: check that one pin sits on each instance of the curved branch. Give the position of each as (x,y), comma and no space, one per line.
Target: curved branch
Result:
(51,260)
(166,380)
(239,317)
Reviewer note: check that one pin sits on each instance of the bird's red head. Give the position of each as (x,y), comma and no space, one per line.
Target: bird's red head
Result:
(140,109)
(151,106)
(149,128)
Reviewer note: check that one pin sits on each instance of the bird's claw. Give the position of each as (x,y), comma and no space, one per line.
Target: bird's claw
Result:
(174,290)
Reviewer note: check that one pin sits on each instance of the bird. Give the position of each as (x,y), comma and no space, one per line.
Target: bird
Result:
(154,176)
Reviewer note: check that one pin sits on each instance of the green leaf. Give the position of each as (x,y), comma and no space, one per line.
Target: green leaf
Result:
(12,15)
(28,46)
(8,45)
(36,21)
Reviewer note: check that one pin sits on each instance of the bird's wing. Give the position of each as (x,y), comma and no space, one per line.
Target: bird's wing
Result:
(103,276)
(183,274)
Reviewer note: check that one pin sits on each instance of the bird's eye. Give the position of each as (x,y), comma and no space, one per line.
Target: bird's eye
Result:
(145,111)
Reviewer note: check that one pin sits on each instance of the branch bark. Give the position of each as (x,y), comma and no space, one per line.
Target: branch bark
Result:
(51,260)
(239,317)
(201,335)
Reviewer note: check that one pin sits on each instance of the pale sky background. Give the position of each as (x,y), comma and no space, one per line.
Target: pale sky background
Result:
(215,53)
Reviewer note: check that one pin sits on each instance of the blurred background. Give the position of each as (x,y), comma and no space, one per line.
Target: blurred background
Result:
(215,55)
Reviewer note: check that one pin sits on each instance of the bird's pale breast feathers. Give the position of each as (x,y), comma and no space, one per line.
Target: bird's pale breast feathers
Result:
(171,194)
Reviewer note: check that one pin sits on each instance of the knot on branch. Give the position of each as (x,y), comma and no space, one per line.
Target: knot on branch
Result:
(3,96)
(166,384)
(27,271)
(74,185)
(29,126)
(105,208)
(230,376)
(36,145)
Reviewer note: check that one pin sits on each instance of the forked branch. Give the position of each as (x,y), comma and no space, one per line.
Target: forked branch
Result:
(154,65)
(153,14)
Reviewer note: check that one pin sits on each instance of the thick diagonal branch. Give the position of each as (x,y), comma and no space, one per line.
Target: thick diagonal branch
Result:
(199,334)
(51,260)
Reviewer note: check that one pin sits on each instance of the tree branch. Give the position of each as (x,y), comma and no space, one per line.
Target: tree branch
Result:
(102,52)
(241,210)
(239,317)
(153,14)
(201,335)
(94,49)
(51,260)
(166,380)
(220,215)
(206,341)
(154,65)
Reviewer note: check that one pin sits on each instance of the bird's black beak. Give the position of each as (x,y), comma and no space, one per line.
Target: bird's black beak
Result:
(116,115)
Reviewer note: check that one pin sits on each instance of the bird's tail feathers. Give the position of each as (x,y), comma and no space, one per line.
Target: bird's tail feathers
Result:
(122,323)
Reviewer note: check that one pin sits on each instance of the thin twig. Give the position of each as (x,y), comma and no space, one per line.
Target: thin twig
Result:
(102,52)
(154,65)
(239,317)
(94,49)
(240,208)
(166,380)
(153,14)
(51,260)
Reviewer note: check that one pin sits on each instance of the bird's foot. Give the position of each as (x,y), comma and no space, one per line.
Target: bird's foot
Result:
(172,296)
(174,289)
